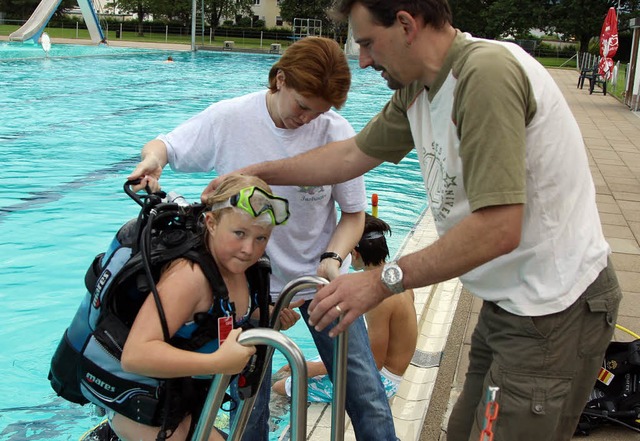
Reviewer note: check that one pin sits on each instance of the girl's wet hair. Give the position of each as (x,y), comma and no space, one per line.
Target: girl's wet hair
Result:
(230,186)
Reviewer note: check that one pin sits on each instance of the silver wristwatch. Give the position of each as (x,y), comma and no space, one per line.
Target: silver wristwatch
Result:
(392,277)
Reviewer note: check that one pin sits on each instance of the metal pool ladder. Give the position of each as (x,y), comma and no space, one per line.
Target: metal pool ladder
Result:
(276,340)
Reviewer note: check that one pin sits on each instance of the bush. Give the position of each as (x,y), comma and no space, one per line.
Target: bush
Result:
(244,22)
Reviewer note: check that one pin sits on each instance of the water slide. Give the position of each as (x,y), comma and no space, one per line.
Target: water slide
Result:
(351,48)
(34,27)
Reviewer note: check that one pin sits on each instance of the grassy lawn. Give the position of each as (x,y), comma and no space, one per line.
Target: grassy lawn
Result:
(81,34)
(218,40)
(256,43)
(558,62)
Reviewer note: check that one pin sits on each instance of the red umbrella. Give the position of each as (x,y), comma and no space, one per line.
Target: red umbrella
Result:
(608,43)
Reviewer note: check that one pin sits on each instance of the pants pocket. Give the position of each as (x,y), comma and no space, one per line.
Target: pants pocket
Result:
(602,299)
(530,406)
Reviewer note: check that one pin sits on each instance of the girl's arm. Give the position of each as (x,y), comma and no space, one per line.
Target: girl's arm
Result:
(183,290)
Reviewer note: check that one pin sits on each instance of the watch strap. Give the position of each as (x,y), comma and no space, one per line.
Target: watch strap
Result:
(331,255)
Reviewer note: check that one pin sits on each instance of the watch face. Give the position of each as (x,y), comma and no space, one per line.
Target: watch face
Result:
(392,275)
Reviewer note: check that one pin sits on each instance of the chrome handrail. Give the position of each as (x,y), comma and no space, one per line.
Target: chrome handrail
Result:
(339,384)
(293,354)
(211,406)
(298,406)
(288,292)
(273,339)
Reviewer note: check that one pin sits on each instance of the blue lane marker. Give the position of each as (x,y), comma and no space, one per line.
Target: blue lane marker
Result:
(43,197)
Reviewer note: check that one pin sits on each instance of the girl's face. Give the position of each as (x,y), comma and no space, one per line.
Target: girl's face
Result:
(236,240)
(291,110)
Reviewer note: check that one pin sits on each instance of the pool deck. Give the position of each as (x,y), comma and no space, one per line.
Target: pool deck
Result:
(118,43)
(447,313)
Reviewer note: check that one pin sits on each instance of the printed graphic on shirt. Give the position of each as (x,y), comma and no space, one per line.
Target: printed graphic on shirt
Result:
(312,193)
(440,186)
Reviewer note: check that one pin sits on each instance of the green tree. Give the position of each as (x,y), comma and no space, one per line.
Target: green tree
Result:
(22,9)
(583,19)
(470,16)
(18,9)
(141,8)
(496,18)
(579,19)
(514,17)
(173,10)
(229,9)
(315,9)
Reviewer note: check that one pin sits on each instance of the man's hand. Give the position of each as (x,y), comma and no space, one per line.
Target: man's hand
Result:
(353,294)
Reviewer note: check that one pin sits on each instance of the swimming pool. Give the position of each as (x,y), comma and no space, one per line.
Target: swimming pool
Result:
(72,128)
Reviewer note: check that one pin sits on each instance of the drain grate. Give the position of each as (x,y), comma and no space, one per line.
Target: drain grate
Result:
(425,359)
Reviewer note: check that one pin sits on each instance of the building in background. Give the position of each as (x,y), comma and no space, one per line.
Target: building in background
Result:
(268,11)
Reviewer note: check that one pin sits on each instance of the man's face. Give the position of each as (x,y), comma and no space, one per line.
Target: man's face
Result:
(378,44)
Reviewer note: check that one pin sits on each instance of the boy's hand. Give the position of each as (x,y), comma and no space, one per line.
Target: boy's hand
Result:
(289,317)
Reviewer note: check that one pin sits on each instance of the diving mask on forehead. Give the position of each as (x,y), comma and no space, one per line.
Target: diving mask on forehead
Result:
(256,201)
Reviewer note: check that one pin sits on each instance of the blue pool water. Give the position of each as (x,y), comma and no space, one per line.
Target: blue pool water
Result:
(72,127)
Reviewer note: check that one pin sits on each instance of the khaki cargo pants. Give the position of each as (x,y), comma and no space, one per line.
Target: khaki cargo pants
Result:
(545,367)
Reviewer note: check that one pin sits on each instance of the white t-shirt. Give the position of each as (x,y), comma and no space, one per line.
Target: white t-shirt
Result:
(235,133)
(495,129)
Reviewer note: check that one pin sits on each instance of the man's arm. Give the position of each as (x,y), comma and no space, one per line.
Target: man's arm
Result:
(344,239)
(484,235)
(479,238)
(329,164)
